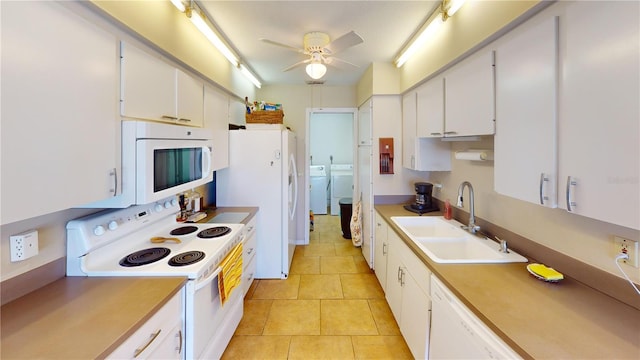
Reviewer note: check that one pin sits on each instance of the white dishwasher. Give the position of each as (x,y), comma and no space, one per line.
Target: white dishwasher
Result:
(456,333)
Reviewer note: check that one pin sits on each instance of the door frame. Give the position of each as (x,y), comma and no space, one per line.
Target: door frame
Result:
(354,148)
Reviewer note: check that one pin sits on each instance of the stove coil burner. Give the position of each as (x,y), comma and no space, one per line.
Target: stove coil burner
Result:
(184,230)
(143,257)
(186,258)
(214,232)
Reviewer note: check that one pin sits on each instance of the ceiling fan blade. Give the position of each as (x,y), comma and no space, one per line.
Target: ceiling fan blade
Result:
(283,45)
(347,40)
(337,62)
(296,65)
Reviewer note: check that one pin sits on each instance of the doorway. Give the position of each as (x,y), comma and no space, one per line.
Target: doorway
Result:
(331,134)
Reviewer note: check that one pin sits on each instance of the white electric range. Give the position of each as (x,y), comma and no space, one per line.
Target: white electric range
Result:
(146,240)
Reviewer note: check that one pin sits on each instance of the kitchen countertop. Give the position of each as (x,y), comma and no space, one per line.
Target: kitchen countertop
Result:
(81,317)
(212,212)
(539,320)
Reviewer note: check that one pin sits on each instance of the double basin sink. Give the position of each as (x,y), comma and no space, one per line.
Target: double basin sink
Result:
(445,241)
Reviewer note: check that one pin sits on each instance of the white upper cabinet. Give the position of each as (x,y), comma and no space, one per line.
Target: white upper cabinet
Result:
(421,154)
(148,86)
(430,108)
(189,99)
(599,127)
(60,127)
(364,124)
(152,89)
(216,118)
(470,96)
(409,130)
(526,112)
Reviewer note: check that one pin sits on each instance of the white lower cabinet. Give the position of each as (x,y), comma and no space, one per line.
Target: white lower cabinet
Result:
(161,337)
(381,245)
(249,255)
(407,294)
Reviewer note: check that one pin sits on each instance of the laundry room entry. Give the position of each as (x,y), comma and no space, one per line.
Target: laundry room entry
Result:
(331,147)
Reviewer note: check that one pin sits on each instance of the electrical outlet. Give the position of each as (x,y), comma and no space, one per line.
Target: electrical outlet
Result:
(629,247)
(24,246)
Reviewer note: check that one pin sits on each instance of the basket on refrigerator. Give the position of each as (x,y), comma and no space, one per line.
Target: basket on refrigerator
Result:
(265,117)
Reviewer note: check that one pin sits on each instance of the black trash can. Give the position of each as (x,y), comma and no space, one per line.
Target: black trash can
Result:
(345,216)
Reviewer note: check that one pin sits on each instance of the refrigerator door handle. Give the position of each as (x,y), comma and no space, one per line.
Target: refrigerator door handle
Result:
(294,173)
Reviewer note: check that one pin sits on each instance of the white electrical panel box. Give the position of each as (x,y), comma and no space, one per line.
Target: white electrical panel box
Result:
(24,246)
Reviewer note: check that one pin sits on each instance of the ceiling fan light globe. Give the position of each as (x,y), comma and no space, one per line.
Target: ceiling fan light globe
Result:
(316,70)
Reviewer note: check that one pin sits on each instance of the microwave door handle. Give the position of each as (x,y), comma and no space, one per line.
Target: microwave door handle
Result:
(209,279)
(207,152)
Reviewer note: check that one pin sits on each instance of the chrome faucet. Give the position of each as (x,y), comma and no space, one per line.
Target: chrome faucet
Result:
(472,227)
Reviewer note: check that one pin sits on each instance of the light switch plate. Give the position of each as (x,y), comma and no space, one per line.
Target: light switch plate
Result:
(24,246)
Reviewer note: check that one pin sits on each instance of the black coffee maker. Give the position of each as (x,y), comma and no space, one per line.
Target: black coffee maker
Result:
(424,201)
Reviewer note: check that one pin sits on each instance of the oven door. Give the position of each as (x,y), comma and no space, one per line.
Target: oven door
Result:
(168,167)
(209,324)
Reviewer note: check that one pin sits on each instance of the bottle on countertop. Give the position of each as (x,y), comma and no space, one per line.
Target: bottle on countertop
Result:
(447,210)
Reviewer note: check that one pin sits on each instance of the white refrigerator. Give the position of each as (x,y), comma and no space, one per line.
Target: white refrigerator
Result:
(262,172)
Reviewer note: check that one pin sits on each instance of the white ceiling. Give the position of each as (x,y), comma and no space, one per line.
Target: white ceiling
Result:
(385,27)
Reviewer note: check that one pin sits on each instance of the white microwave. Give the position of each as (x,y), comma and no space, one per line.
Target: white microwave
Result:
(159,161)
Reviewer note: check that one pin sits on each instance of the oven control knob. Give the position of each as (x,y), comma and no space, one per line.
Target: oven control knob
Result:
(98,230)
(171,203)
(112,225)
(159,207)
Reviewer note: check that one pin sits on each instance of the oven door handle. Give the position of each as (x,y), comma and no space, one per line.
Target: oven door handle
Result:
(208,279)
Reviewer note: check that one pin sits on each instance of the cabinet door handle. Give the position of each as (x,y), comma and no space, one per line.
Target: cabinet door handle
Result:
(571,183)
(450,132)
(114,173)
(151,339)
(413,162)
(179,349)
(384,249)
(169,117)
(250,251)
(399,274)
(402,278)
(436,133)
(543,178)
(184,119)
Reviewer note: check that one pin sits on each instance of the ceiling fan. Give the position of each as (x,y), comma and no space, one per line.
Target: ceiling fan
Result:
(320,49)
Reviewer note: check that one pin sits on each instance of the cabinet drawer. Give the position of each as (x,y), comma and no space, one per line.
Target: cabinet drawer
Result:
(248,274)
(151,337)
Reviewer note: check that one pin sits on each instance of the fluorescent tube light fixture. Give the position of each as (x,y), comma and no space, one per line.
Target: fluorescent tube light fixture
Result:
(453,6)
(428,31)
(316,70)
(179,5)
(246,72)
(446,9)
(200,23)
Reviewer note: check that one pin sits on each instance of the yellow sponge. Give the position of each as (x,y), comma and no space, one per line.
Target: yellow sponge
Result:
(544,273)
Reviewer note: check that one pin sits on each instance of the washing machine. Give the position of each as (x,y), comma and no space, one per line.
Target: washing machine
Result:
(318,191)
(341,185)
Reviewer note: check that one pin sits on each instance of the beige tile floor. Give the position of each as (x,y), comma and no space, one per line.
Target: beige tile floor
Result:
(330,307)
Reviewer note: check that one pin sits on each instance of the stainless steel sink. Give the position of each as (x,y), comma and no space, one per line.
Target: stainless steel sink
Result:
(444,241)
